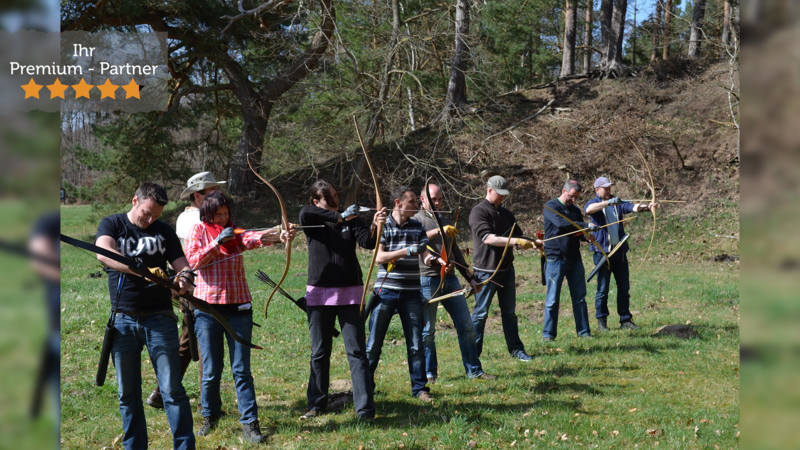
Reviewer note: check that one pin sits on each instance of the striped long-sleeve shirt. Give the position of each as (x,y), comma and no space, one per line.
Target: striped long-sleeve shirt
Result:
(405,275)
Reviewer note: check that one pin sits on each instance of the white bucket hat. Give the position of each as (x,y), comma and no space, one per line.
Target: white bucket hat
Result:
(199,182)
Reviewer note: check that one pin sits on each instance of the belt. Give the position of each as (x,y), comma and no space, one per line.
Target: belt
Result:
(138,314)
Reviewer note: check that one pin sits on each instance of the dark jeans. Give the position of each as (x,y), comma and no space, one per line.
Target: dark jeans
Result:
(186,354)
(573,271)
(321,322)
(211,337)
(506,299)
(409,306)
(459,312)
(160,335)
(619,267)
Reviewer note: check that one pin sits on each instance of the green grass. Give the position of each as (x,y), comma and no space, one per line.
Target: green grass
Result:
(606,392)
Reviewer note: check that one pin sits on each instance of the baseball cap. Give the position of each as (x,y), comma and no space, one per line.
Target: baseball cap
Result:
(602,182)
(499,184)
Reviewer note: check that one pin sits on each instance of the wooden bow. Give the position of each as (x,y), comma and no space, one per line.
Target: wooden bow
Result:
(589,237)
(378,205)
(650,186)
(285,224)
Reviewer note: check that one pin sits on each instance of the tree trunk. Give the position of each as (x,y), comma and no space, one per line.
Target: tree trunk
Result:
(667,20)
(256,107)
(606,11)
(570,25)
(376,108)
(726,26)
(656,31)
(587,37)
(457,86)
(618,25)
(696,36)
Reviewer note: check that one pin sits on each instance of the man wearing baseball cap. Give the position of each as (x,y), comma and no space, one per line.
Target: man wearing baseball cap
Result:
(490,225)
(605,209)
(197,187)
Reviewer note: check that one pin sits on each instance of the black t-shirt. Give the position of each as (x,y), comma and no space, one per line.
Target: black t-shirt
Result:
(49,226)
(154,246)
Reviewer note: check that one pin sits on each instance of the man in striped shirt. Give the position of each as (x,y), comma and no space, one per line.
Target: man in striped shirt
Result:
(398,288)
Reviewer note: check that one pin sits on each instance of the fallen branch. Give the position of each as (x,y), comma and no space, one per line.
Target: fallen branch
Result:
(723,236)
(523,120)
(727,124)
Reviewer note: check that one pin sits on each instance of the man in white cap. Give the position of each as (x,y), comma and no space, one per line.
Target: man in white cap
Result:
(604,209)
(490,225)
(197,188)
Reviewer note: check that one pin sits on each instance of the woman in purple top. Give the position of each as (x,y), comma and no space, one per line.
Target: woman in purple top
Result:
(335,288)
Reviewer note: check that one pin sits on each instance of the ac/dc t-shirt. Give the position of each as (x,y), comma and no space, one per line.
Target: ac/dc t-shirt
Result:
(154,246)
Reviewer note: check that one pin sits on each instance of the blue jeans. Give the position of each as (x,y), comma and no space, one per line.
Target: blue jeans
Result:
(159,334)
(506,299)
(409,306)
(619,267)
(210,334)
(573,271)
(459,312)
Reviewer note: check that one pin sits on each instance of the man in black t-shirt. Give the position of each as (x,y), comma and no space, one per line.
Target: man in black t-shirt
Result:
(144,315)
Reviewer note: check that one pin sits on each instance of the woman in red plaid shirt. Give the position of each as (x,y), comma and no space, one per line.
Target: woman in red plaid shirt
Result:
(224,286)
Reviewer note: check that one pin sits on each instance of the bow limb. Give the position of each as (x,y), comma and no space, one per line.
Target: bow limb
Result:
(201,305)
(502,257)
(378,206)
(444,252)
(650,186)
(589,237)
(285,225)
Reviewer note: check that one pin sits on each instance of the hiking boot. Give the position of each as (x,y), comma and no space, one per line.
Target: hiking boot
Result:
(548,339)
(209,424)
(251,432)
(602,324)
(155,400)
(486,376)
(366,420)
(521,355)
(431,380)
(425,397)
(628,325)
(310,414)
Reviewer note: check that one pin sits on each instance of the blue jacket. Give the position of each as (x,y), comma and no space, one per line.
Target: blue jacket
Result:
(599,219)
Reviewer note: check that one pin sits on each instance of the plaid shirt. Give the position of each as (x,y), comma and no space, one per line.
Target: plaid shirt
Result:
(223,283)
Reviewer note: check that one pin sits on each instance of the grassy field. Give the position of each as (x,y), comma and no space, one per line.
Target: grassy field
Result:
(619,390)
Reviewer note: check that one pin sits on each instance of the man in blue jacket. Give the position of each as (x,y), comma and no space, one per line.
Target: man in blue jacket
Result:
(605,209)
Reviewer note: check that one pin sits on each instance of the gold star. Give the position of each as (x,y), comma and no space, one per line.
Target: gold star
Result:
(82,89)
(131,90)
(107,89)
(31,89)
(57,89)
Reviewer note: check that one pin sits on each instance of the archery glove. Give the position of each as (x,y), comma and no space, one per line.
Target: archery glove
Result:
(351,210)
(614,201)
(226,235)
(415,249)
(524,243)
(157,271)
(451,231)
(592,227)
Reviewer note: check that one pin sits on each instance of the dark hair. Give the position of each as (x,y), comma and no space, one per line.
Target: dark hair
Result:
(572,184)
(400,191)
(152,190)
(322,189)
(213,202)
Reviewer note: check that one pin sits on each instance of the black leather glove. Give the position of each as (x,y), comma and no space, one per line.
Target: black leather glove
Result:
(226,235)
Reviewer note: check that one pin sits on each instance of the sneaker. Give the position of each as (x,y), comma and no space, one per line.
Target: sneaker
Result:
(431,380)
(425,397)
(209,424)
(522,356)
(310,414)
(251,432)
(548,339)
(628,325)
(602,324)
(486,376)
(155,400)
